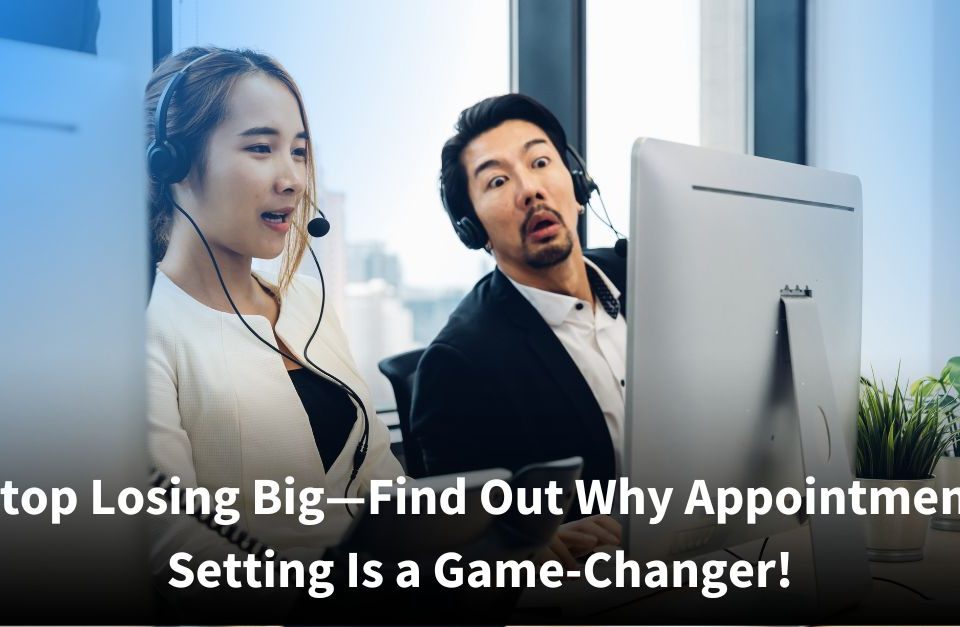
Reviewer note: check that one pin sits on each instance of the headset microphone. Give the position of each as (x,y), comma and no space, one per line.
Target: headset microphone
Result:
(320,226)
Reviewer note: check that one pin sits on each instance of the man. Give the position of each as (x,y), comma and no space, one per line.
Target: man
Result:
(531,365)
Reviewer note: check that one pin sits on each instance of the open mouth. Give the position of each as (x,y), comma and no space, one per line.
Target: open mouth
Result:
(278,220)
(274,217)
(542,224)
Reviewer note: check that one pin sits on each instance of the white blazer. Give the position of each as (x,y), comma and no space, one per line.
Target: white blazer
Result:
(223,412)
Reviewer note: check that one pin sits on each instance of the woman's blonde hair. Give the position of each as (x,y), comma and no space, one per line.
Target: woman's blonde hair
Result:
(195,110)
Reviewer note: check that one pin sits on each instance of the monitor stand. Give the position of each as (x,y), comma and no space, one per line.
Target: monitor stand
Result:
(838,541)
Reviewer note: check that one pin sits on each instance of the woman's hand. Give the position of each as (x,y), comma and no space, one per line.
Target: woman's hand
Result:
(578,538)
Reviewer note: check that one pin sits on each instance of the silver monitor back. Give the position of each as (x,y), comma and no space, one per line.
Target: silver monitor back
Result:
(714,238)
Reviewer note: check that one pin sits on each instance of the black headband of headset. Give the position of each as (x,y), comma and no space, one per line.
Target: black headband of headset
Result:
(160,114)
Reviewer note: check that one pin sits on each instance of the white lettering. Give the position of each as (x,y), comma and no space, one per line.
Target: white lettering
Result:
(502,492)
(699,497)
(266,499)
(176,566)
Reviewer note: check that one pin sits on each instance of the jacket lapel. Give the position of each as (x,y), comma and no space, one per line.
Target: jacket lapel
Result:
(553,357)
(328,351)
(298,317)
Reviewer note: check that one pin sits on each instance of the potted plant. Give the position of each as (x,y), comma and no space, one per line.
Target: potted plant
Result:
(900,438)
(944,391)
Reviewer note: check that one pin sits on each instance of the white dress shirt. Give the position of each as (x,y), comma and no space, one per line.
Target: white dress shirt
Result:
(596,342)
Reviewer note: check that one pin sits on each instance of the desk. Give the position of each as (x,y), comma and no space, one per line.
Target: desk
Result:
(936,576)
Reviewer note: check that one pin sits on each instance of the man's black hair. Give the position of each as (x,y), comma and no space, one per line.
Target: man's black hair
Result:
(479,119)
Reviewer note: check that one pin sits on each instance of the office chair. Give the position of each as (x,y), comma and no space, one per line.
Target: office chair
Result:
(400,370)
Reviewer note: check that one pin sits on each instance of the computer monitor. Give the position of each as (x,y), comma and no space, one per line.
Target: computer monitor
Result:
(744,300)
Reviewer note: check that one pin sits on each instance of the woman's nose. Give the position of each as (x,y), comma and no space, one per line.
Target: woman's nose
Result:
(291,178)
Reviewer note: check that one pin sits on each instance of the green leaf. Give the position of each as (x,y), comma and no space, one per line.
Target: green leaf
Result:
(951,372)
(902,434)
(924,387)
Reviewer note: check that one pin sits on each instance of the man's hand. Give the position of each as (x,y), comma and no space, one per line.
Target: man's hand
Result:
(578,538)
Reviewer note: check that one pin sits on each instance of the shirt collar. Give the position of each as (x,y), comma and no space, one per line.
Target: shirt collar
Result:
(553,307)
(606,280)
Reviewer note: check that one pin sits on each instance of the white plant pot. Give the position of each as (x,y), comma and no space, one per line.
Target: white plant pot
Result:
(948,476)
(897,537)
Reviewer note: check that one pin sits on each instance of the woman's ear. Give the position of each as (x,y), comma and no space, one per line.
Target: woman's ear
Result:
(185,192)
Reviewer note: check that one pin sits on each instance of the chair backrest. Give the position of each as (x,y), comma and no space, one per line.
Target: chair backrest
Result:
(400,370)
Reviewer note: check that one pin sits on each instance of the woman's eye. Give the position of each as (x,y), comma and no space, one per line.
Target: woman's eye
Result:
(300,153)
(259,148)
(542,162)
(496,181)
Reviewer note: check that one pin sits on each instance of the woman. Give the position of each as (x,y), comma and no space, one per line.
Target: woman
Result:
(226,410)
(232,179)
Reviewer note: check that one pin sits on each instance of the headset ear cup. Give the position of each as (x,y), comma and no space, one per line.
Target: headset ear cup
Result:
(583,186)
(583,183)
(158,161)
(179,164)
(166,162)
(579,188)
(470,233)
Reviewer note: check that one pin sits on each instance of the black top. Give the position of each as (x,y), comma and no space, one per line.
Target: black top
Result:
(496,388)
(330,410)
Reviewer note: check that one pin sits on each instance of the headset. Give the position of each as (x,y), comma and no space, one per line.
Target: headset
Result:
(474,236)
(168,163)
(233,533)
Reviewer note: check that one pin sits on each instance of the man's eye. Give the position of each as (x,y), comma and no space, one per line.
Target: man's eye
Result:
(497,181)
(259,148)
(542,162)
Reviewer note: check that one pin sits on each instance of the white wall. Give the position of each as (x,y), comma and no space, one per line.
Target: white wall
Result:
(878,75)
(945,335)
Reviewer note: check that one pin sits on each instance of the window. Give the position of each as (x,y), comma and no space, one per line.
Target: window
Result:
(887,113)
(643,80)
(383,83)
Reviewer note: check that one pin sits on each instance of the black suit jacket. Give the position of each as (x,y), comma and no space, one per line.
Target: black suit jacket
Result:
(496,388)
